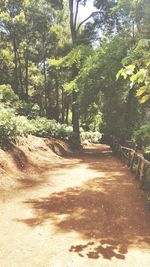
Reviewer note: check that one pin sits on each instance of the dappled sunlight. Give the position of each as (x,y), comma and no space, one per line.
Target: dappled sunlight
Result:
(105,248)
(96,199)
(97,212)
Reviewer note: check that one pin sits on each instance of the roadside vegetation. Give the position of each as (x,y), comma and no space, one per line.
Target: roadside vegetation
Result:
(73,79)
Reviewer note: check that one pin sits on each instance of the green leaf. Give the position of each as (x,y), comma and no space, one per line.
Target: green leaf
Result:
(130,69)
(141,91)
(119,74)
(144,99)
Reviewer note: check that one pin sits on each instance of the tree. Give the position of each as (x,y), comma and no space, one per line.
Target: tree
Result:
(75,27)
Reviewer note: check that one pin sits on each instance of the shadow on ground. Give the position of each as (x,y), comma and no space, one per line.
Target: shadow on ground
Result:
(108,212)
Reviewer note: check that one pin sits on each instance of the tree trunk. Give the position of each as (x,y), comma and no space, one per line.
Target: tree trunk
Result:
(57,97)
(75,108)
(45,86)
(63,109)
(75,114)
(21,92)
(73,6)
(67,113)
(26,78)
(72,22)
(15,87)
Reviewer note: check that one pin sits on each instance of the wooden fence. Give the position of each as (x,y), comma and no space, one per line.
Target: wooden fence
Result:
(135,161)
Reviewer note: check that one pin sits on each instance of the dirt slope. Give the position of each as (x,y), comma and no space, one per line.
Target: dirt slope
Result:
(76,211)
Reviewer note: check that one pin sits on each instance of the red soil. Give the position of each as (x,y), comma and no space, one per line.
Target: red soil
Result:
(81,210)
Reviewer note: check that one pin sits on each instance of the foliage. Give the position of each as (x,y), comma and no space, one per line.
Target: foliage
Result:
(147,153)
(99,88)
(94,137)
(137,68)
(7,95)
(47,128)
(8,127)
(76,57)
(11,100)
(93,119)
(12,125)
(56,68)
(142,136)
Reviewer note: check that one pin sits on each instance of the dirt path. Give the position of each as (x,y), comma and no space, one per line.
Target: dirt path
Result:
(80,212)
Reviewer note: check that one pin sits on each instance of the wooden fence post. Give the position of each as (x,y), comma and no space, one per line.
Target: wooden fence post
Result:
(135,161)
(132,161)
(138,167)
(129,159)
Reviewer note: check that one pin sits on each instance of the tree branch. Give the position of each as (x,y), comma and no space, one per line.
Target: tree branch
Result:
(71,19)
(76,14)
(93,13)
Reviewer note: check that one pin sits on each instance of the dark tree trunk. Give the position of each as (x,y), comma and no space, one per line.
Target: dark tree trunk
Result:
(63,108)
(15,86)
(75,108)
(57,97)
(73,6)
(45,85)
(21,91)
(26,78)
(67,113)
(75,114)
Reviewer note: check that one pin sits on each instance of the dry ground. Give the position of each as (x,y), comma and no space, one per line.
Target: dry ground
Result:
(81,210)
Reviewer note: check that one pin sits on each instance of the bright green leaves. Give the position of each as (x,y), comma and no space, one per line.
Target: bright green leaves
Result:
(20,18)
(76,57)
(139,77)
(71,86)
(4,16)
(144,98)
(129,70)
(6,58)
(137,69)
(7,95)
(26,3)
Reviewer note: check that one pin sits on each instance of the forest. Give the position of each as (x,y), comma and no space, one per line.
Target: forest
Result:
(75,133)
(75,79)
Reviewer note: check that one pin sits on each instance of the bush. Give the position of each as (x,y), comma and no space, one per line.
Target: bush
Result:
(93,137)
(46,128)
(12,125)
(28,109)
(8,126)
(147,153)
(24,126)
(142,136)
(64,131)
(7,95)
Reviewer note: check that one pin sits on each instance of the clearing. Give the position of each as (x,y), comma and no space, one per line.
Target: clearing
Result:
(81,210)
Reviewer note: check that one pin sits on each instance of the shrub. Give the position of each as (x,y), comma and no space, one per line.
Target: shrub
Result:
(142,136)
(46,128)
(64,131)
(93,137)
(28,109)
(8,126)
(147,153)
(24,126)
(12,125)
(7,95)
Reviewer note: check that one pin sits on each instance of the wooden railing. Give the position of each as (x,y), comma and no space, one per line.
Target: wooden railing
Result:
(134,160)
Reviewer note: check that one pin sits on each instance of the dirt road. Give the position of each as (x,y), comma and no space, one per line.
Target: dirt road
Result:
(82,211)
